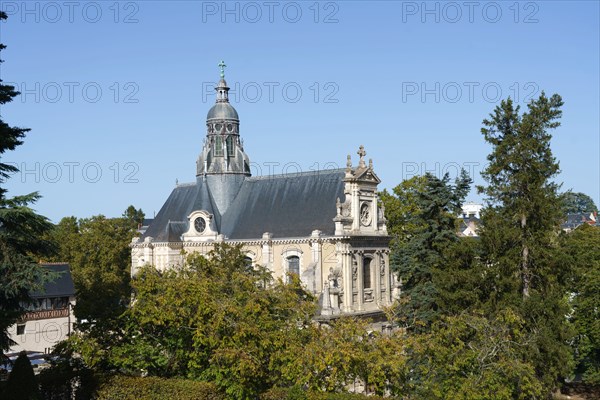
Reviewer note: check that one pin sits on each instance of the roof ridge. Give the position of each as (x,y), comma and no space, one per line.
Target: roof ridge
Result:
(297,174)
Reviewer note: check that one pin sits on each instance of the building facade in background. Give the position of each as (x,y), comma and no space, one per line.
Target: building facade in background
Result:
(328,227)
(49,318)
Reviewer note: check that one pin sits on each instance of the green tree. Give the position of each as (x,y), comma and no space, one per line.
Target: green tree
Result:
(525,270)
(400,206)
(459,282)
(135,217)
(470,357)
(576,202)
(583,244)
(417,260)
(342,353)
(22,233)
(212,319)
(97,249)
(21,384)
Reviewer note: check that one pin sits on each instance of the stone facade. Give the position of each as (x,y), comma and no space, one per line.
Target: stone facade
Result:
(328,227)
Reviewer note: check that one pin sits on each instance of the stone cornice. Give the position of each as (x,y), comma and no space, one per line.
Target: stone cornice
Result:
(261,242)
(248,242)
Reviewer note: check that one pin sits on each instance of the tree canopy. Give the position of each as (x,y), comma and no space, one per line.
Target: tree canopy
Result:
(576,203)
(22,232)
(416,260)
(98,252)
(525,269)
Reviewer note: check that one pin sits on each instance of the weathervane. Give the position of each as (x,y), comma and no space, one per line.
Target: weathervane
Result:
(222,65)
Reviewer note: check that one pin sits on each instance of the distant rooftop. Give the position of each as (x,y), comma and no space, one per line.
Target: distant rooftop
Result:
(62,286)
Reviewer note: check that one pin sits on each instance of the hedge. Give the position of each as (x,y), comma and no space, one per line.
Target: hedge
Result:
(296,393)
(120,387)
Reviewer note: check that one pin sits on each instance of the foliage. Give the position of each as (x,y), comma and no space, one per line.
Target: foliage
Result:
(524,268)
(343,353)
(21,384)
(459,284)
(523,213)
(583,244)
(67,378)
(21,233)
(297,393)
(576,203)
(97,249)
(422,254)
(212,319)
(155,388)
(135,217)
(471,357)
(400,206)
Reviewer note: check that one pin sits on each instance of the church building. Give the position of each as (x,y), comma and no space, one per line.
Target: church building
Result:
(328,227)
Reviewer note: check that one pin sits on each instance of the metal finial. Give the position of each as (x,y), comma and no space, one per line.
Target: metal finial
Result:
(222,66)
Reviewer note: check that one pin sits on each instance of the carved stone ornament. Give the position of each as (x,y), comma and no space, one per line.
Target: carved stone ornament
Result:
(365,214)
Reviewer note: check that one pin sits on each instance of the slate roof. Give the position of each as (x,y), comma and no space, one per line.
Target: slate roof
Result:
(61,286)
(577,219)
(290,205)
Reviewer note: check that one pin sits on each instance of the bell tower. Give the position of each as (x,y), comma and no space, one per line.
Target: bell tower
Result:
(223,152)
(222,164)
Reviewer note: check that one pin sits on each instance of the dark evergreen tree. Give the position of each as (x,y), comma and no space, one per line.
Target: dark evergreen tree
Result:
(417,260)
(525,270)
(22,232)
(21,384)
(583,244)
(459,281)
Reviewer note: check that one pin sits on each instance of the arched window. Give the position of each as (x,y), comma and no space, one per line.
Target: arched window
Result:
(293,265)
(367,273)
(248,263)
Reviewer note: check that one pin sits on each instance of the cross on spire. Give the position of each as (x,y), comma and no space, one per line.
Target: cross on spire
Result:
(362,153)
(222,66)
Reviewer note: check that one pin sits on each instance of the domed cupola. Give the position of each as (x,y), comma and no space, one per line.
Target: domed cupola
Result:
(223,152)
(223,110)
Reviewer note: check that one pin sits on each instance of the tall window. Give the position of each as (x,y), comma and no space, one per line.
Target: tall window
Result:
(294,265)
(229,142)
(367,273)
(218,146)
(248,263)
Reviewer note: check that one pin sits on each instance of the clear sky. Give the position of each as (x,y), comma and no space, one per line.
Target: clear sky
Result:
(116,93)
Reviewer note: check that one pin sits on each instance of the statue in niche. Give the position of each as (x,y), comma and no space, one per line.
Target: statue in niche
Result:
(332,286)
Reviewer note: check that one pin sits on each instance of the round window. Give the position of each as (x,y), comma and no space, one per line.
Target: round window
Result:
(199,224)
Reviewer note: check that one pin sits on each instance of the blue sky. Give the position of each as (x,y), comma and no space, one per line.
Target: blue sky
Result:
(116,93)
